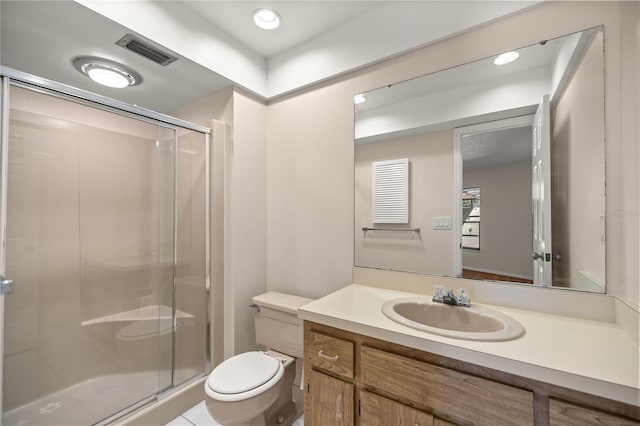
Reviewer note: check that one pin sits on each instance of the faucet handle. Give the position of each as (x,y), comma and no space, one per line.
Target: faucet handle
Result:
(438,293)
(463,297)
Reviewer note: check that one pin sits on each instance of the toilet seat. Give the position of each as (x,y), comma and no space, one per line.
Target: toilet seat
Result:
(244,376)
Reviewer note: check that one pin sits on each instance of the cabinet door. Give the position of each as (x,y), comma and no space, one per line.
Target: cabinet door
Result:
(331,401)
(564,414)
(440,422)
(378,411)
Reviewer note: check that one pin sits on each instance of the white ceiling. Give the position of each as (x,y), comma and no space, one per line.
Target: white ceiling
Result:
(535,58)
(41,38)
(495,148)
(218,45)
(301,20)
(471,93)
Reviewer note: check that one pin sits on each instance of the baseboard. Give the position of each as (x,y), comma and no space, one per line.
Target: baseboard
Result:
(495,272)
(628,318)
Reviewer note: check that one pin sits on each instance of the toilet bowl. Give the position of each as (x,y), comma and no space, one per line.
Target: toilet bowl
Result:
(244,387)
(255,388)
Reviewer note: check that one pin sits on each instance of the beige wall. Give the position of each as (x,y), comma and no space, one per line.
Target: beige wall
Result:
(245,213)
(505,220)
(577,173)
(310,192)
(430,181)
(630,136)
(310,147)
(248,214)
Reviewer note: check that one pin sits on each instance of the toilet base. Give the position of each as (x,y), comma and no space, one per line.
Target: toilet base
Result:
(283,410)
(282,416)
(258,421)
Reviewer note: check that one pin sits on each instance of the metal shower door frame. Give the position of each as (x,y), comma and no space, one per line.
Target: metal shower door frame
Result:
(4,161)
(10,77)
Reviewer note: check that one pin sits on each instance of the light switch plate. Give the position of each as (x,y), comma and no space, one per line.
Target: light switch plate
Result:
(441,222)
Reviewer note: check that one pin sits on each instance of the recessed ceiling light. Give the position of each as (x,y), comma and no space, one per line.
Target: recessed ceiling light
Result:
(267,19)
(506,58)
(359,98)
(106,72)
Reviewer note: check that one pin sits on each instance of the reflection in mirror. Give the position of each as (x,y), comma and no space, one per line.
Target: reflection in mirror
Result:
(471,218)
(497,159)
(525,137)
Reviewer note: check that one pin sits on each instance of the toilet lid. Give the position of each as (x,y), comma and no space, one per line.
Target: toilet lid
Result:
(243,372)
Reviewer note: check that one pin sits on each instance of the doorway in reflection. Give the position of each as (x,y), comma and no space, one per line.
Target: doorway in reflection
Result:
(496,238)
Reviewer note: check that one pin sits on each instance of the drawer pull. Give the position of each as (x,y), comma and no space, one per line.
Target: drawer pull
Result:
(327,357)
(339,410)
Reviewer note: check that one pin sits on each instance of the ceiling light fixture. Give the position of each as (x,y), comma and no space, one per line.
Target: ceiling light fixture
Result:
(506,58)
(106,72)
(359,98)
(267,19)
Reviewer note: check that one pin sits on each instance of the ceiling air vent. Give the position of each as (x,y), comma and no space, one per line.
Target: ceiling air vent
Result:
(146,49)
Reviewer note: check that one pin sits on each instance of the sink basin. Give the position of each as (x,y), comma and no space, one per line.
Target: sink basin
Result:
(470,323)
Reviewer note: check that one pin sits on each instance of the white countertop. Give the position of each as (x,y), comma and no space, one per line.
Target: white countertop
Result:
(590,356)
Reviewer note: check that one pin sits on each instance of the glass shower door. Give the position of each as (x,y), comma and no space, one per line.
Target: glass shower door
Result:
(91,226)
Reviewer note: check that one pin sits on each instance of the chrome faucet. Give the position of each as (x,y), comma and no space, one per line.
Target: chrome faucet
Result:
(448,298)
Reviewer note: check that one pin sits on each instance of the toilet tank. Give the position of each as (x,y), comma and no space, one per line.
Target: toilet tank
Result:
(277,323)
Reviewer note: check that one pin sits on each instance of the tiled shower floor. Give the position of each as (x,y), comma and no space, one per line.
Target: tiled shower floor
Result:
(199,416)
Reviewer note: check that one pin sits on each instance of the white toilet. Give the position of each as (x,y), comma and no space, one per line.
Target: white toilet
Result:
(255,388)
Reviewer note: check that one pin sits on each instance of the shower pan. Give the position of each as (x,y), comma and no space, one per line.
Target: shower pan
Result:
(105,255)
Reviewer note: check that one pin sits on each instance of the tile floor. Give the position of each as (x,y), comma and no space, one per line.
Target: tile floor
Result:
(199,416)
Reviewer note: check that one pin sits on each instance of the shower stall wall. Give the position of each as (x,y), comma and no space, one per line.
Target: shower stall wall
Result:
(105,240)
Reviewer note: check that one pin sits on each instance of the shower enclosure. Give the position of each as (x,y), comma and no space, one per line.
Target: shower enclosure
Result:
(105,254)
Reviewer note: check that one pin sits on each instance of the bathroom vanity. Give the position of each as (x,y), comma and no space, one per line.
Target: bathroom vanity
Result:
(363,369)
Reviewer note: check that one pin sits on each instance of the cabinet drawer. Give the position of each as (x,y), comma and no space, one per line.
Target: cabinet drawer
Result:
(378,411)
(329,354)
(452,394)
(564,414)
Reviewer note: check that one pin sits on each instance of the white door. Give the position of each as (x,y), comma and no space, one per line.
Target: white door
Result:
(541,191)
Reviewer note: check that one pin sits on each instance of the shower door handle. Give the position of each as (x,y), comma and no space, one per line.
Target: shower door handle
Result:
(6,286)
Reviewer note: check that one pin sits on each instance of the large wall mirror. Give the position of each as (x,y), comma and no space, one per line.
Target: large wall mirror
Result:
(505,176)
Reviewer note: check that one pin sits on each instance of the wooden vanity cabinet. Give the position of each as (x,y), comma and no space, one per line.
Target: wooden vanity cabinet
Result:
(351,379)
(440,422)
(452,393)
(565,414)
(329,393)
(375,410)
